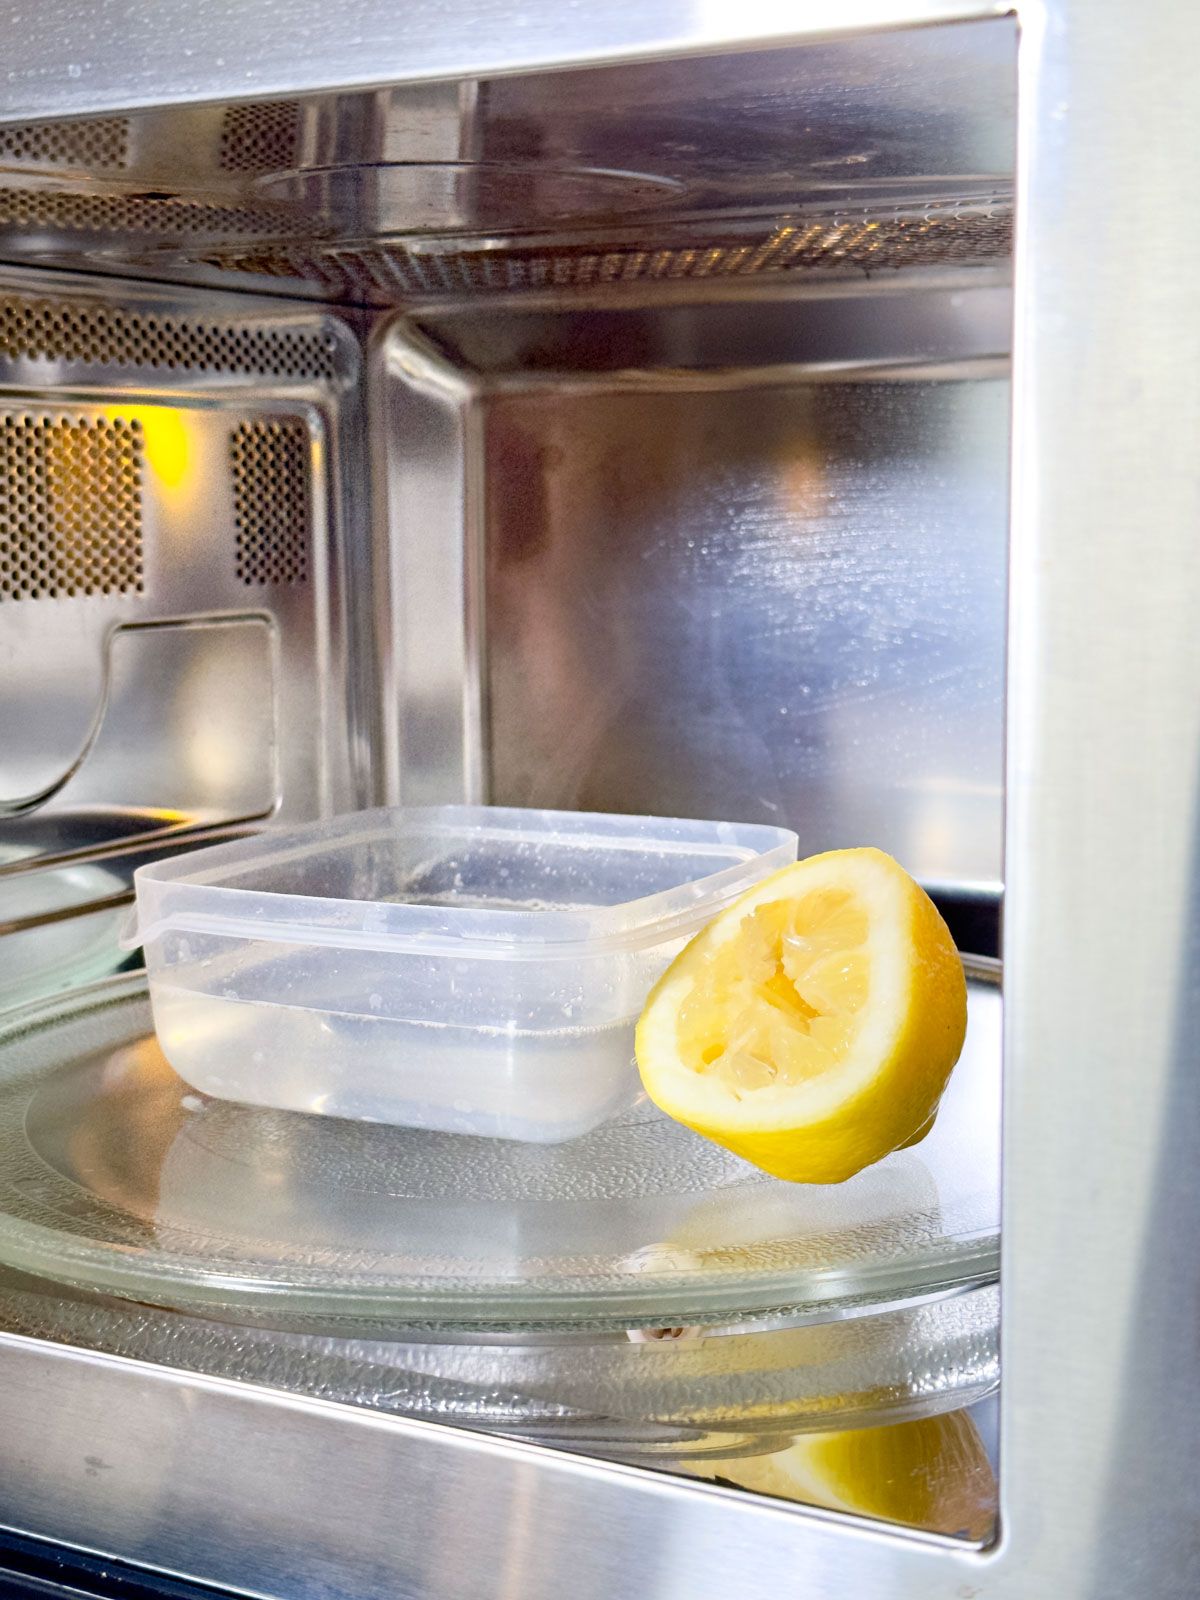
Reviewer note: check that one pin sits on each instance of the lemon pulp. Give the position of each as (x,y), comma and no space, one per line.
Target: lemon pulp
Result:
(812,1026)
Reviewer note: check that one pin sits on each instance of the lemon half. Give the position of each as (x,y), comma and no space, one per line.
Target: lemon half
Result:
(812,1026)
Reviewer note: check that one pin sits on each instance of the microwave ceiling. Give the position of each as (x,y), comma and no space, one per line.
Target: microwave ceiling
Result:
(869,154)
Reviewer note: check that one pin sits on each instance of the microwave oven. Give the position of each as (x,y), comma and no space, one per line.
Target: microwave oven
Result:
(782,414)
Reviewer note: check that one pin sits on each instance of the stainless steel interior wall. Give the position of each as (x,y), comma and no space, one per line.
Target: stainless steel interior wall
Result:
(781,605)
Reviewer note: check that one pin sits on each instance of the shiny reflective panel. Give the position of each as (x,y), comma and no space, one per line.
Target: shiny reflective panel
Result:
(73,66)
(99,707)
(180,1484)
(844,157)
(173,606)
(714,563)
(184,722)
(782,605)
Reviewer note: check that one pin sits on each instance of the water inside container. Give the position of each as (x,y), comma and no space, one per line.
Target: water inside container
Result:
(542,1084)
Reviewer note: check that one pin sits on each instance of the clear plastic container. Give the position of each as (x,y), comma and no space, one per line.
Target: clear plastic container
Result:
(473,969)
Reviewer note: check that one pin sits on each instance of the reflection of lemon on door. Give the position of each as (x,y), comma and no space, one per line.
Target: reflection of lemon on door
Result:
(932,1474)
(812,1026)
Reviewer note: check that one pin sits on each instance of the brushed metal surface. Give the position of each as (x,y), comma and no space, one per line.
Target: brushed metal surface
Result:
(741,558)
(851,156)
(1099,1461)
(782,605)
(280,1495)
(175,620)
(55,644)
(173,716)
(80,60)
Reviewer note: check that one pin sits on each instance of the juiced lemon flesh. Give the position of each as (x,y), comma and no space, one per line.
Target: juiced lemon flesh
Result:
(812,1026)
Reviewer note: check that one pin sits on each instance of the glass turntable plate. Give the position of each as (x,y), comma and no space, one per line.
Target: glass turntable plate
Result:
(115,1176)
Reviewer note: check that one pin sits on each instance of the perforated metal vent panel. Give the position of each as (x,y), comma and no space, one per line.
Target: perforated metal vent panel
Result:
(99,145)
(70,506)
(858,244)
(270,465)
(101,336)
(262,137)
(168,218)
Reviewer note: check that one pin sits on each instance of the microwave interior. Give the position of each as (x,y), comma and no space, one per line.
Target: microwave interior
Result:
(628,438)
